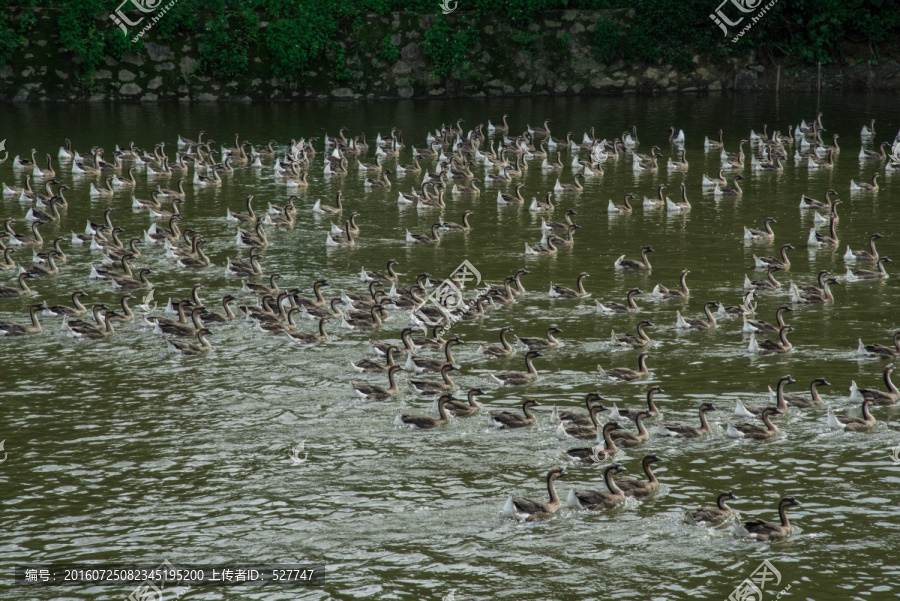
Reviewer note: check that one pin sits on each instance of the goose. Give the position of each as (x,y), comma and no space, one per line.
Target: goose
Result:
(261,289)
(770,283)
(506,420)
(189,348)
(617,309)
(15,329)
(324,209)
(511,199)
(48,216)
(339,232)
(878,397)
(733,190)
(169,193)
(429,388)
(247,217)
(107,192)
(20,164)
(65,152)
(157,233)
(595,500)
(433,203)
(766,531)
(187,142)
(455,227)
(504,350)
(129,283)
(435,341)
(331,310)
(415,363)
(852,256)
(632,265)
(34,240)
(865,153)
(529,510)
(308,337)
(765,234)
(862,186)
(820,280)
(755,431)
(742,410)
(691,323)
(631,414)
(426,422)
(575,186)
(205,181)
(557,291)
(555,226)
(286,218)
(66,311)
(239,268)
(91,331)
(679,207)
(24,193)
(378,277)
(713,144)
(546,248)
(8,263)
(852,423)
(374,168)
(807,203)
(679,430)
(414,168)
(868,131)
(176,210)
(517,378)
(383,183)
(626,374)
(540,132)
(638,341)
(673,293)
(538,344)
(676,138)
(598,454)
(633,487)
(575,417)
(127,314)
(621,209)
(470,189)
(499,128)
(804,402)
(756,325)
(319,301)
(178,328)
(343,241)
(678,164)
(22,290)
(714,516)
(879,350)
(372,321)
(814,162)
(422,238)
(770,346)
(627,439)
(719,181)
(815,297)
(569,240)
(228,314)
(465,408)
(542,207)
(766,262)
(582,431)
(51,269)
(201,260)
(868,274)
(139,204)
(371,392)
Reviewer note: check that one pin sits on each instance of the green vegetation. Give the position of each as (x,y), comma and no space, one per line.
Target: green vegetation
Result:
(300,34)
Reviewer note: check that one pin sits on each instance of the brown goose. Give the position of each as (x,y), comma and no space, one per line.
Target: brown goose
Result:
(803,401)
(465,408)
(506,420)
(765,531)
(755,431)
(584,432)
(504,350)
(631,414)
(517,378)
(878,396)
(678,430)
(538,344)
(766,262)
(575,417)
(632,487)
(595,500)
(626,374)
(557,291)
(15,329)
(519,508)
(751,411)
(852,423)
(371,392)
(627,439)
(632,265)
(372,366)
(690,323)
(638,341)
(426,422)
(771,346)
(598,454)
(429,388)
(66,311)
(880,350)
(672,293)
(613,308)
(714,516)
(756,325)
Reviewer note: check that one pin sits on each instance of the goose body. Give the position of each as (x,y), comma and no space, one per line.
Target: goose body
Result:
(716,515)
(507,420)
(766,531)
(518,378)
(522,509)
(595,500)
(679,430)
(626,374)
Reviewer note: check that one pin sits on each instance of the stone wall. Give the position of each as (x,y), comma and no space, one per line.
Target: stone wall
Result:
(554,56)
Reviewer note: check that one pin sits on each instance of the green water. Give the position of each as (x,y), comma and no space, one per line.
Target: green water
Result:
(120,452)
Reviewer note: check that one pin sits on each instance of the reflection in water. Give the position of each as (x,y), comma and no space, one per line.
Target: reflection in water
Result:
(118,451)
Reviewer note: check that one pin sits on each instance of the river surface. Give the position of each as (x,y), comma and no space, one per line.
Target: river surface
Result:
(119,452)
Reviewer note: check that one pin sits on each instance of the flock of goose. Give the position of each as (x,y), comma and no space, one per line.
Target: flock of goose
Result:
(445,164)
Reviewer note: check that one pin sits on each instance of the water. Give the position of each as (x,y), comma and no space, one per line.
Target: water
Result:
(118,452)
